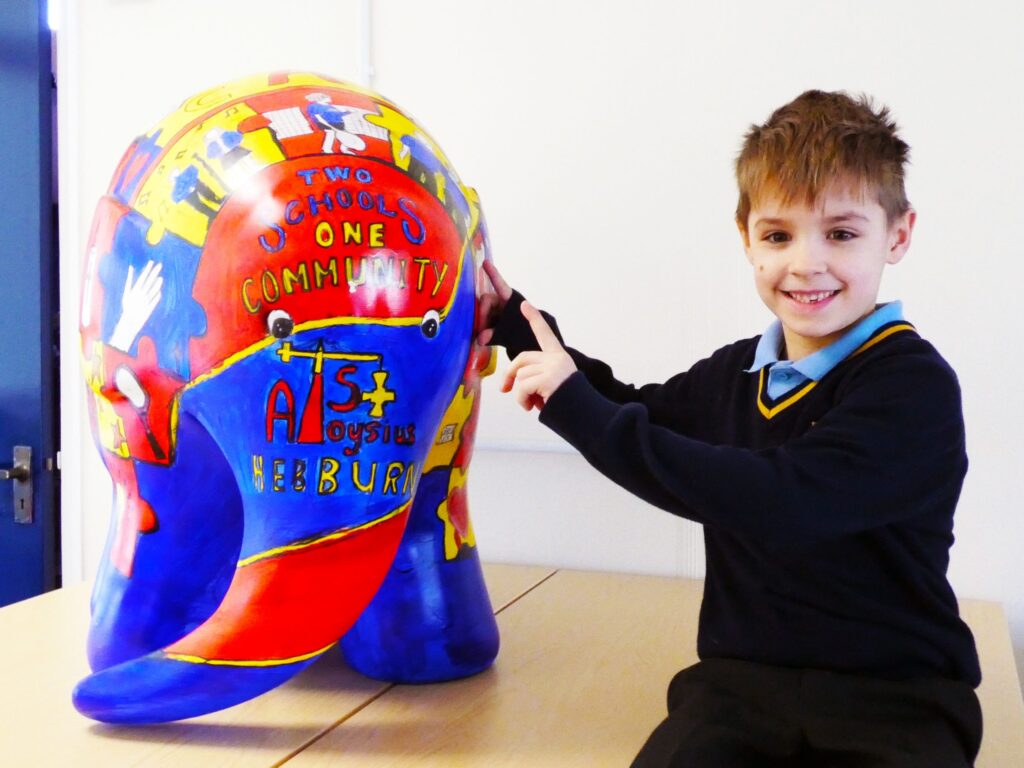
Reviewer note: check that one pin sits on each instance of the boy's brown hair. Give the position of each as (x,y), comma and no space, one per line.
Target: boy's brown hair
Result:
(817,139)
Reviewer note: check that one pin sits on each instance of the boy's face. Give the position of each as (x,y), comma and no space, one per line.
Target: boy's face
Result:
(818,267)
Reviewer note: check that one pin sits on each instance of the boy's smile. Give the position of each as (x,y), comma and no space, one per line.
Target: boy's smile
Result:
(818,267)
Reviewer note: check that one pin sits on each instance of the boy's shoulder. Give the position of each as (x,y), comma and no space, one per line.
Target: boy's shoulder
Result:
(902,370)
(895,353)
(737,354)
(900,346)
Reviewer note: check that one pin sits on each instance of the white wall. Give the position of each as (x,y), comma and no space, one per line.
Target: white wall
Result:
(123,65)
(600,136)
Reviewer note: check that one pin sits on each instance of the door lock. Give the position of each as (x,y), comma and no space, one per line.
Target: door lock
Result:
(21,474)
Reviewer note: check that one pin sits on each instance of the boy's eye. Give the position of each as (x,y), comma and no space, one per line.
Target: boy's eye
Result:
(776,237)
(841,234)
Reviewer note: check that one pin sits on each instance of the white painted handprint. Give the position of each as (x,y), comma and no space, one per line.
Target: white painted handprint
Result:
(139,300)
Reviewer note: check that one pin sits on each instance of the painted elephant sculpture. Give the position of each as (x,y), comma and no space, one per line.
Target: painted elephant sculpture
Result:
(277,333)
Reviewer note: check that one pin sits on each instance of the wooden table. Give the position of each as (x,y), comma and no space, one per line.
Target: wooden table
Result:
(580,680)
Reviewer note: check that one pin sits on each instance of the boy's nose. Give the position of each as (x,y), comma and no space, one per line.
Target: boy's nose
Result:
(806,258)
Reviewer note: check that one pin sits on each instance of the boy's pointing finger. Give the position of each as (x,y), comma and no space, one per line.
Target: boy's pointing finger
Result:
(541,330)
(503,289)
(523,358)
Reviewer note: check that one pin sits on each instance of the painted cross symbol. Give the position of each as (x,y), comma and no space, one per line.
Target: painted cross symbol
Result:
(378,397)
(380,394)
(286,353)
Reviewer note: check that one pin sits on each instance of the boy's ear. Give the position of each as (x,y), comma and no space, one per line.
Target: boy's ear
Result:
(745,236)
(899,236)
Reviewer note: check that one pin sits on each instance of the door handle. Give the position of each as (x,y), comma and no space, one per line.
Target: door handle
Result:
(21,474)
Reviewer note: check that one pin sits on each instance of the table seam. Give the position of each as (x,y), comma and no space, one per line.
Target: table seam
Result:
(390,686)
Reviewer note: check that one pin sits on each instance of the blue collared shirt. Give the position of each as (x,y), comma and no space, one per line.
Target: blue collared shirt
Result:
(785,375)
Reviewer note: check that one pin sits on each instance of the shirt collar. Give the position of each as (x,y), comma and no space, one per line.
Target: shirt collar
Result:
(816,365)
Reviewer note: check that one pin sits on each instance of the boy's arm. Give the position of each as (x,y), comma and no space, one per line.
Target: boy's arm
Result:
(513,332)
(894,443)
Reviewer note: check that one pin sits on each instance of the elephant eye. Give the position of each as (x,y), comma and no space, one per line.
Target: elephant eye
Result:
(430,324)
(280,324)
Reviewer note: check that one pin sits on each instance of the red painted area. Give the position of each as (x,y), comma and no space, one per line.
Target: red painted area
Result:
(130,166)
(311,428)
(478,362)
(281,407)
(297,603)
(307,144)
(136,517)
(109,213)
(147,429)
(264,252)
(264,102)
(458,514)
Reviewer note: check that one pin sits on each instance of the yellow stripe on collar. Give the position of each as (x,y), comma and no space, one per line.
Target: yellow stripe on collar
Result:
(882,336)
(770,412)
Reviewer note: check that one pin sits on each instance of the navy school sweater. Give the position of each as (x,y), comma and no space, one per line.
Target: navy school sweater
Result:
(828,513)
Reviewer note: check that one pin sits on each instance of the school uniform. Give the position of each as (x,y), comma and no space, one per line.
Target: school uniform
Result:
(829,634)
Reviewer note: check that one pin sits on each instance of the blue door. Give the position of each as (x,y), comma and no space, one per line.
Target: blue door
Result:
(29,521)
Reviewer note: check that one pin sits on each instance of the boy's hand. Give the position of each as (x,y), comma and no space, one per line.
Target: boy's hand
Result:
(536,375)
(491,304)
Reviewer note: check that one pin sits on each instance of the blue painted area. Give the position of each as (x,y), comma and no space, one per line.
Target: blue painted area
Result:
(178,317)
(156,689)
(272,450)
(294,496)
(141,155)
(327,115)
(422,153)
(184,567)
(211,510)
(223,144)
(432,619)
(185,184)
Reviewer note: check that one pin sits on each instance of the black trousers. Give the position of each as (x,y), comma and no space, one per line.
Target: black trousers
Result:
(736,714)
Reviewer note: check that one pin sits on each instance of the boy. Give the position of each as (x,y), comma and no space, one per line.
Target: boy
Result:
(824,458)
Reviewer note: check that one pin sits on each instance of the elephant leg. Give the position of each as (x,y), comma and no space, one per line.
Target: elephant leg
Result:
(432,619)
